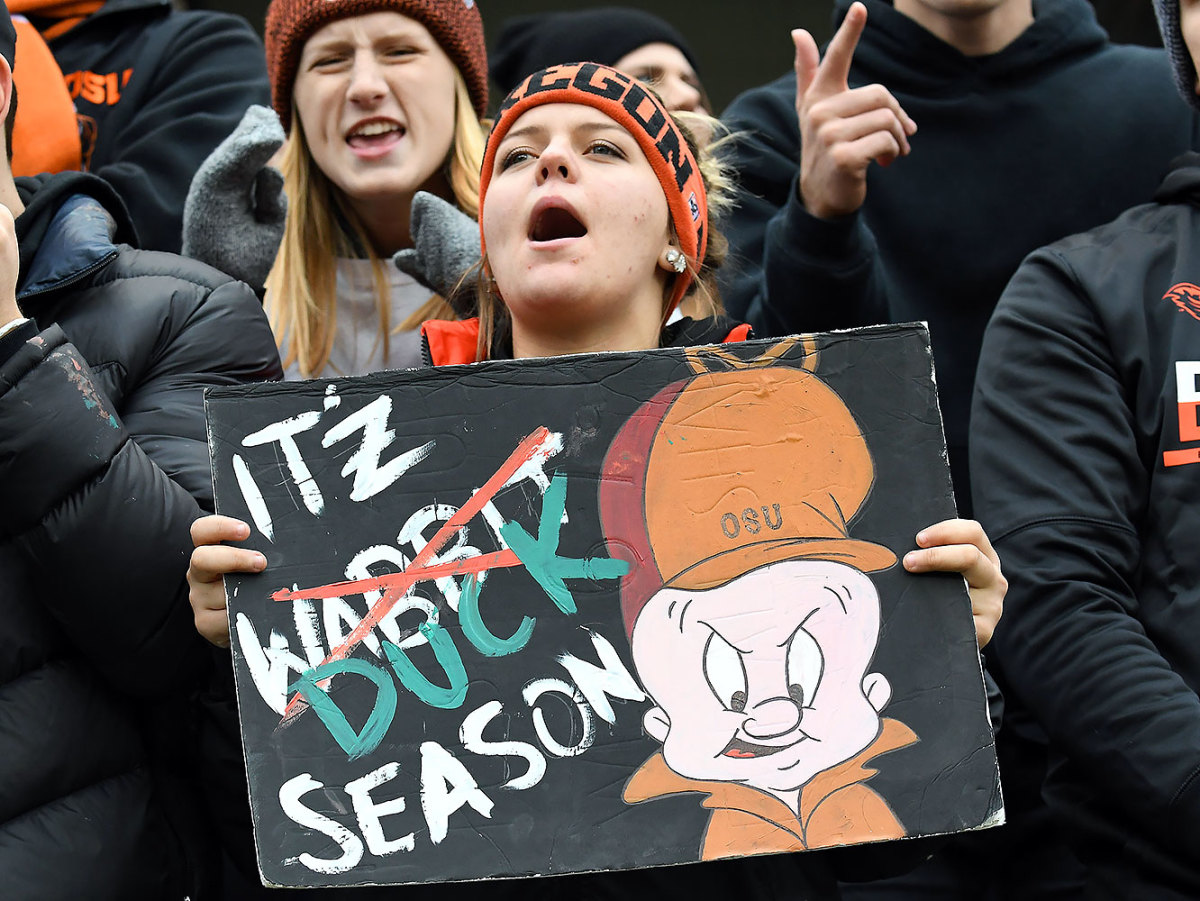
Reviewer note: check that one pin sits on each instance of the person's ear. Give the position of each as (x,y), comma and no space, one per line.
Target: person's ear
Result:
(877,690)
(656,723)
(672,259)
(6,86)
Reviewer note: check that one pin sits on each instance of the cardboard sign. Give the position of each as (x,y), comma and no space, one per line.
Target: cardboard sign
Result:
(599,612)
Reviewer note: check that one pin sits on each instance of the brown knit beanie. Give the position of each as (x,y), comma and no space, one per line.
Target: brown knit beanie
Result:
(455,24)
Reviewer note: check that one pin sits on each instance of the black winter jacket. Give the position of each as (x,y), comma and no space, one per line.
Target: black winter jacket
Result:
(103,467)
(157,90)
(1085,452)
(1057,133)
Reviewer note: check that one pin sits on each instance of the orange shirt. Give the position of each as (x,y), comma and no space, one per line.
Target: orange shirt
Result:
(836,807)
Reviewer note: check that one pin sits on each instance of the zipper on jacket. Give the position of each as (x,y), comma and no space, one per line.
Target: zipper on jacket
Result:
(426,353)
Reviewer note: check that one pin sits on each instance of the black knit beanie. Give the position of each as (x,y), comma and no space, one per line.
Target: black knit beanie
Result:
(604,35)
(1167,12)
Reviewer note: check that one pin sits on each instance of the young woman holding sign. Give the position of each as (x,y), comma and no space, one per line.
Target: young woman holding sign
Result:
(594,211)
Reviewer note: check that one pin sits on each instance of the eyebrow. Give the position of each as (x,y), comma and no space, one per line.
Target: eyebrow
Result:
(723,637)
(341,42)
(682,612)
(840,597)
(788,640)
(583,127)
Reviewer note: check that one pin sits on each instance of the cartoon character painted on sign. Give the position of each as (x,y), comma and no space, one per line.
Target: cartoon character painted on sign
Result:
(751,619)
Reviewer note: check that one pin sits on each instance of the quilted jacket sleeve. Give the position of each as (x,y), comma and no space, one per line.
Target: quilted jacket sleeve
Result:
(100,493)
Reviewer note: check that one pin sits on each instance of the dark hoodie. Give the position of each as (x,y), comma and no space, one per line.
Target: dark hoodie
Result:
(1057,133)
(1086,460)
(156,89)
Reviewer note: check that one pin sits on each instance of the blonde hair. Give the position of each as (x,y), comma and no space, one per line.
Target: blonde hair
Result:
(703,298)
(301,288)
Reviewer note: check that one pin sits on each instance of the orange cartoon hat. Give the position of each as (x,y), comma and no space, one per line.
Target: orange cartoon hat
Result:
(729,471)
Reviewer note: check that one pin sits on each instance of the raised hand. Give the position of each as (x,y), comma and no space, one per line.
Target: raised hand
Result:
(446,245)
(842,130)
(235,210)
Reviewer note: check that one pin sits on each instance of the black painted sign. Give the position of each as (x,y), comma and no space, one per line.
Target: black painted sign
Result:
(599,612)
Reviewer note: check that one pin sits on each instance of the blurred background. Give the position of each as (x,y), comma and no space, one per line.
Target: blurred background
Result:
(739,44)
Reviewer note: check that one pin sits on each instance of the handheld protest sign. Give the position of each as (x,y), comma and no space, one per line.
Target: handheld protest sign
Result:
(600,612)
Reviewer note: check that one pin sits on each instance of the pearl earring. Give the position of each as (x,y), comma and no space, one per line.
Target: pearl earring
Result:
(676,260)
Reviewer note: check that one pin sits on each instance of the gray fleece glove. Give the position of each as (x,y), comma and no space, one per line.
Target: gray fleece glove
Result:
(445,246)
(235,209)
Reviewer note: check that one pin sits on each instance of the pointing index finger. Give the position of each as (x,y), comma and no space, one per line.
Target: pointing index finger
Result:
(834,73)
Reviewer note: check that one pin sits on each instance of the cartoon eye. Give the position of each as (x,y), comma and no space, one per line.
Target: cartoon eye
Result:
(805,664)
(725,673)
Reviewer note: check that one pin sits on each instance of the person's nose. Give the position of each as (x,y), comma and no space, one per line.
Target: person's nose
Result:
(367,84)
(555,161)
(681,95)
(772,718)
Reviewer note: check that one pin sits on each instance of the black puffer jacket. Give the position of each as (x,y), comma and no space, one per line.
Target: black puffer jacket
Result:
(103,466)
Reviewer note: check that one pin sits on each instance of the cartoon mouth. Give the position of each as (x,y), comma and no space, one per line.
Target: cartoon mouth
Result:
(554,223)
(745,749)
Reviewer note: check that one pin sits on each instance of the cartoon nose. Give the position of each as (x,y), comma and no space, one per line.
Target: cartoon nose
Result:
(772,718)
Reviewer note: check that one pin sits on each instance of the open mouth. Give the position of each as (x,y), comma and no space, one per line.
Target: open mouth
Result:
(374,133)
(746,749)
(555,223)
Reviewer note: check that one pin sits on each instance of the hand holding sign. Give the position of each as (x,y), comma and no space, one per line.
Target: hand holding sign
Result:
(842,129)
(962,546)
(211,560)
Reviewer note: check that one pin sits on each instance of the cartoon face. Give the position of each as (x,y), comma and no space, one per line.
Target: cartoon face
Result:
(763,680)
